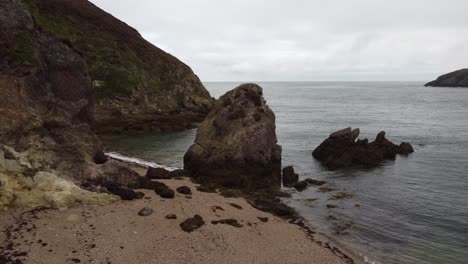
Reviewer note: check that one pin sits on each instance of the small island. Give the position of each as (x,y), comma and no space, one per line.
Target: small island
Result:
(454,79)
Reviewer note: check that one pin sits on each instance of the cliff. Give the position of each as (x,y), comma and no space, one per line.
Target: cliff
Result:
(454,79)
(138,86)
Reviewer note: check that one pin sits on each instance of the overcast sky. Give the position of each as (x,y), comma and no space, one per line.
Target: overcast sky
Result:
(305,40)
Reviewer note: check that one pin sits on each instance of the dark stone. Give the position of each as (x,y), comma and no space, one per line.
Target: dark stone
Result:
(278,209)
(192,224)
(171,216)
(184,190)
(405,148)
(263,219)
(216,208)
(140,195)
(123,192)
(331,206)
(289,176)
(454,79)
(230,221)
(165,192)
(178,173)
(157,173)
(145,211)
(301,186)
(100,158)
(337,153)
(147,184)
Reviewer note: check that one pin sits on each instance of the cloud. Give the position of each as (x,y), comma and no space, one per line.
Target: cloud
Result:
(305,39)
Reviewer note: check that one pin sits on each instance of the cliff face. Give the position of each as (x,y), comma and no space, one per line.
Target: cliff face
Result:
(138,86)
(454,79)
(46,107)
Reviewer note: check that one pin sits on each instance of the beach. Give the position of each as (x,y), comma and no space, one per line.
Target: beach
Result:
(117,234)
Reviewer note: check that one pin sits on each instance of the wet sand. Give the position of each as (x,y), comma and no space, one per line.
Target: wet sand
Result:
(117,234)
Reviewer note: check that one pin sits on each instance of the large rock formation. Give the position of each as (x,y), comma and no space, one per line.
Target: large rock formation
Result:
(236,145)
(47,102)
(454,79)
(342,150)
(138,86)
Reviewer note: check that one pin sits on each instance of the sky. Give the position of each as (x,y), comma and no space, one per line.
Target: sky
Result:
(305,40)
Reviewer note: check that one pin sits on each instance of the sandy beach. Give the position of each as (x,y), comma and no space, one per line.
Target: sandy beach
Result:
(117,234)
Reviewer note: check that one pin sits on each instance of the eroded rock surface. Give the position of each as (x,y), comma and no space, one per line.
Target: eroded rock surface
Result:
(342,150)
(236,145)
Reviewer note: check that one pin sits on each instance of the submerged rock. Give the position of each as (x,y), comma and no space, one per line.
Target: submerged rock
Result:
(341,150)
(192,224)
(454,79)
(236,145)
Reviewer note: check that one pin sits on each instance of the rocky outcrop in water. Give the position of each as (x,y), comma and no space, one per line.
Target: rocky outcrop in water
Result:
(138,86)
(342,150)
(454,79)
(236,145)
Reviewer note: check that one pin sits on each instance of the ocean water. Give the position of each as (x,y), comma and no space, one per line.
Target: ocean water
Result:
(411,210)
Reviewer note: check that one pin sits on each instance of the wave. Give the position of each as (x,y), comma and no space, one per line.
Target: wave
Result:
(118,156)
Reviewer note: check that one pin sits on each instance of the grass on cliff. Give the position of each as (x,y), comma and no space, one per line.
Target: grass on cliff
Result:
(22,50)
(109,59)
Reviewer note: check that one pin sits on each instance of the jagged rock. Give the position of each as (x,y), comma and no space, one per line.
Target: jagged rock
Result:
(289,176)
(192,224)
(184,190)
(454,79)
(157,173)
(342,151)
(301,186)
(236,145)
(341,133)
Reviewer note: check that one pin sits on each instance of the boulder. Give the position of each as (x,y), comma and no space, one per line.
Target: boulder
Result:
(100,158)
(146,211)
(192,224)
(289,176)
(157,173)
(165,192)
(343,151)
(184,190)
(236,145)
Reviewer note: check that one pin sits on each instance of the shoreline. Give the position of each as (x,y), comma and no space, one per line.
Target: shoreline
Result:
(116,234)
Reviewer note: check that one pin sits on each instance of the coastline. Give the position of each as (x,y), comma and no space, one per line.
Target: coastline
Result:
(117,234)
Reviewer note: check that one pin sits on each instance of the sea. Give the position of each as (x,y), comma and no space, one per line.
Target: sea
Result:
(410,210)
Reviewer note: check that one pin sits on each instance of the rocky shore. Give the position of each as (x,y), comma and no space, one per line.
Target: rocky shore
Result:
(200,227)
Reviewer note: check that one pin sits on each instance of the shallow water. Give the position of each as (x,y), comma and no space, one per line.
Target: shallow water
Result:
(411,210)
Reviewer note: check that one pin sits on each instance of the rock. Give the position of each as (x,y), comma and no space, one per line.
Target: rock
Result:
(263,219)
(315,182)
(184,190)
(216,208)
(206,189)
(165,192)
(145,211)
(380,137)
(171,216)
(301,186)
(100,158)
(355,134)
(123,192)
(289,177)
(405,148)
(157,173)
(178,173)
(331,206)
(454,79)
(192,224)
(341,152)
(235,146)
(278,209)
(341,133)
(230,221)
(341,196)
